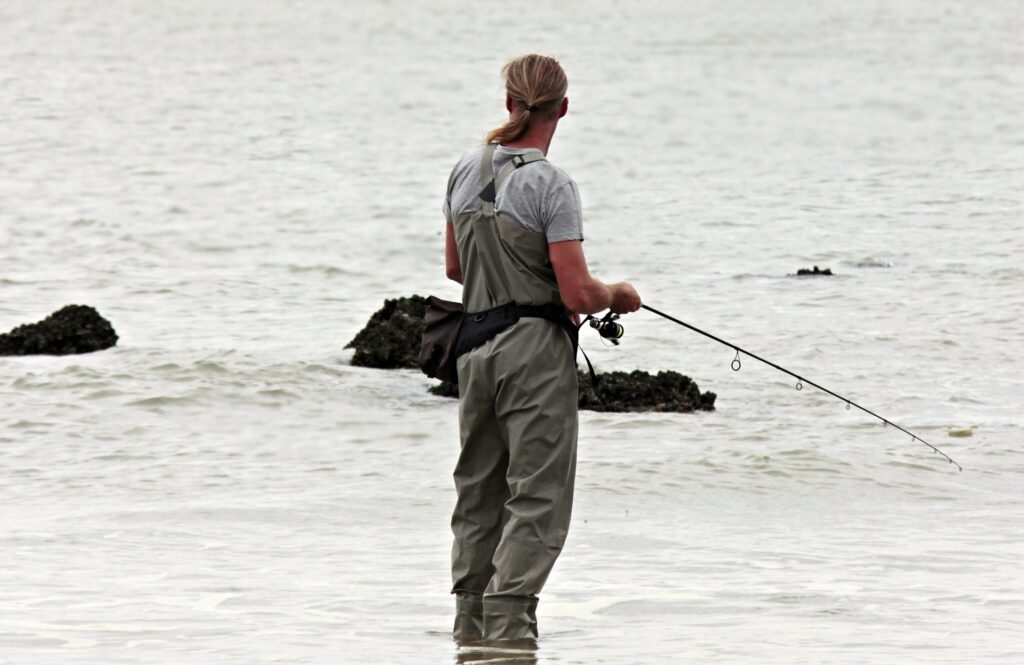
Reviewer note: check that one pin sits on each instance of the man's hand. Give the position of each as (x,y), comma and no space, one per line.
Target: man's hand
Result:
(625,299)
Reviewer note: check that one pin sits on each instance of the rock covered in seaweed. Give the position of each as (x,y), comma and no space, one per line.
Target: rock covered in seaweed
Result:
(816,271)
(642,391)
(630,391)
(444,389)
(71,329)
(391,338)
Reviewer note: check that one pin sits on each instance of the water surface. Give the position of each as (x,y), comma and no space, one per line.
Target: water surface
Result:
(239,185)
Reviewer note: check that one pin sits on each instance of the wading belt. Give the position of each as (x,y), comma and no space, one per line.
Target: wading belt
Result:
(480,327)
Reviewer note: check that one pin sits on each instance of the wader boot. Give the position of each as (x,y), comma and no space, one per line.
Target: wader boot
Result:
(518,425)
(469,616)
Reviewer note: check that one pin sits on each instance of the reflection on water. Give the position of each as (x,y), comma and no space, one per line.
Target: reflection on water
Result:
(496,652)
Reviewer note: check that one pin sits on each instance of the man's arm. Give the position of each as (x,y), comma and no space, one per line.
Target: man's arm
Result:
(580,291)
(452,268)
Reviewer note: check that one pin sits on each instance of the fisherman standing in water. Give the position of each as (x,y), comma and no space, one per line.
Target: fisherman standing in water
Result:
(514,241)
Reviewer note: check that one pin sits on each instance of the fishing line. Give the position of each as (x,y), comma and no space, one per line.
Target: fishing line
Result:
(736,364)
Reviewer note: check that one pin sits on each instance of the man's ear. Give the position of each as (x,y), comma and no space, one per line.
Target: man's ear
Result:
(564,108)
(508,103)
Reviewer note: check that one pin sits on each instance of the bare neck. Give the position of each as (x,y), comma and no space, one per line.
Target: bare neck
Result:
(538,135)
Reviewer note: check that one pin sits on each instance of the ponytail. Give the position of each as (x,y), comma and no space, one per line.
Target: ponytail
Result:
(536,84)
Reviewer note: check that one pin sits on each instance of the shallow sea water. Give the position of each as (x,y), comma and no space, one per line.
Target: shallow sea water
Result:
(237,186)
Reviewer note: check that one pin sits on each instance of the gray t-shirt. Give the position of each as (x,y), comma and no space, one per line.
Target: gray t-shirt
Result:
(538,196)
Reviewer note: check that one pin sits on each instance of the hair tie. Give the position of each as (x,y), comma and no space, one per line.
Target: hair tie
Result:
(531,107)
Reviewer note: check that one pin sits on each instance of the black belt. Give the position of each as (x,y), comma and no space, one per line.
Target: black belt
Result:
(481,327)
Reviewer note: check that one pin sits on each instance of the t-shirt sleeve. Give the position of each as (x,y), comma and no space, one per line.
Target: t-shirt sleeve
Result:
(446,208)
(563,219)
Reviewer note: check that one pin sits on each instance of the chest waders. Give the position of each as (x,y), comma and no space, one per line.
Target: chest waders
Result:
(517,423)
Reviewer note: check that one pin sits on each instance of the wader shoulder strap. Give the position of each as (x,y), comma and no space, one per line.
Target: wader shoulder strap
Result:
(486,237)
(490,185)
(487,179)
(517,161)
(487,164)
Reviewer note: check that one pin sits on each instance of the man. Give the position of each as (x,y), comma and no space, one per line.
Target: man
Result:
(514,235)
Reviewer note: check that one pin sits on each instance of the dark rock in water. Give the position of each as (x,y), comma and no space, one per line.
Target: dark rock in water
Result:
(802,272)
(444,389)
(632,391)
(641,391)
(391,338)
(71,329)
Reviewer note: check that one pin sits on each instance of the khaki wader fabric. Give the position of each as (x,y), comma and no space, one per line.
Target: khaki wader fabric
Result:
(518,428)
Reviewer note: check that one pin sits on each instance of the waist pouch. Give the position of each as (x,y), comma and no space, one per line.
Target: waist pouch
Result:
(442,321)
(444,340)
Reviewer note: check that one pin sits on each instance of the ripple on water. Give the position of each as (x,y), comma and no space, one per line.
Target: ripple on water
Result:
(868,262)
(162,401)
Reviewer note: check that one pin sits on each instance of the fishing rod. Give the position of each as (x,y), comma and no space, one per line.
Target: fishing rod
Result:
(610,329)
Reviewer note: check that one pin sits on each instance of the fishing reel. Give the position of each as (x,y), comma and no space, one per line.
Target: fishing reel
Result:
(607,327)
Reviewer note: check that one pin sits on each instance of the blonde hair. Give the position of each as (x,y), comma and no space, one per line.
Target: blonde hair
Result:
(536,84)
